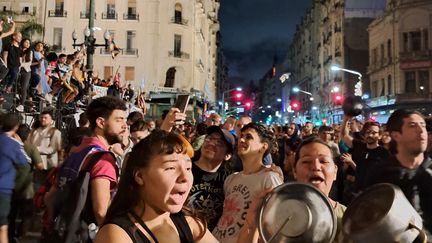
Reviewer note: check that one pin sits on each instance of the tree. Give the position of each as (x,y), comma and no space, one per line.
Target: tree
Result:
(31,27)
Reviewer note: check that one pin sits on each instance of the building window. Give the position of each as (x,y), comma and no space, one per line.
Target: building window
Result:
(405,42)
(410,82)
(389,50)
(108,70)
(26,10)
(382,53)
(57,40)
(415,41)
(177,45)
(130,42)
(426,39)
(424,81)
(129,73)
(131,11)
(4,8)
(374,56)
(59,6)
(170,76)
(110,10)
(389,85)
(178,13)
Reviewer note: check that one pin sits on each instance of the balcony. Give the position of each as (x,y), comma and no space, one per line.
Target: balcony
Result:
(57,13)
(86,15)
(129,16)
(178,54)
(179,21)
(104,51)
(131,52)
(423,55)
(412,97)
(109,15)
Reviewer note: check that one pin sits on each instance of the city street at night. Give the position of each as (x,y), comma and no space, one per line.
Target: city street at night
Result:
(216,121)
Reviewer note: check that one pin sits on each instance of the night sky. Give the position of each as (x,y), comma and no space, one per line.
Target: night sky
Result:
(254,31)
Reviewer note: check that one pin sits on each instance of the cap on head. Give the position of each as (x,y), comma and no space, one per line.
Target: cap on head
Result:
(226,136)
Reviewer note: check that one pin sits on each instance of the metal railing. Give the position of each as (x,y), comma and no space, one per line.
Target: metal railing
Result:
(109,15)
(57,13)
(179,21)
(131,52)
(86,15)
(129,16)
(178,54)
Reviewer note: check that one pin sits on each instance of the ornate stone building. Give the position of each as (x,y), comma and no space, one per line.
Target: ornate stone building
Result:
(400,58)
(332,32)
(167,46)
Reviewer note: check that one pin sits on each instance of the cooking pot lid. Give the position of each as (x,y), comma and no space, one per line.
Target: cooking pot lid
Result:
(296,212)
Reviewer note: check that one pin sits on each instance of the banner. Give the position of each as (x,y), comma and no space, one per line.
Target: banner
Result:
(100,91)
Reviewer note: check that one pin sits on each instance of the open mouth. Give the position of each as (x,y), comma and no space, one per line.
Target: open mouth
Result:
(316,180)
(179,197)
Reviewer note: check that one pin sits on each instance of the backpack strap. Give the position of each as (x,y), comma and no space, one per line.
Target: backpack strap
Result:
(94,158)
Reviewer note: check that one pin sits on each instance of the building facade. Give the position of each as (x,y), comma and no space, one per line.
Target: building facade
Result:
(332,32)
(167,46)
(400,58)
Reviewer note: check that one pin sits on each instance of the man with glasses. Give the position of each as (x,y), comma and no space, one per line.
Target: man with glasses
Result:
(209,171)
(364,155)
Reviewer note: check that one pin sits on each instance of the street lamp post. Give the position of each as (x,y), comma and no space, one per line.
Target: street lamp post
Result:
(358,86)
(223,100)
(311,98)
(90,40)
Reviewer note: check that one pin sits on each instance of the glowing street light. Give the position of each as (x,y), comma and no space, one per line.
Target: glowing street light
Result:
(358,86)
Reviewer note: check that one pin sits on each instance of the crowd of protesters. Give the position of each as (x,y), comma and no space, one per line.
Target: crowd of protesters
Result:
(231,162)
(33,73)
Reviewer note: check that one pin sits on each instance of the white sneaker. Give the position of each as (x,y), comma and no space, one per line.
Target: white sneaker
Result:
(79,103)
(20,108)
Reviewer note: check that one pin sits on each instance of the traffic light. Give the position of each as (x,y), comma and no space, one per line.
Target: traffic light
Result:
(338,98)
(295,105)
(248,105)
(238,95)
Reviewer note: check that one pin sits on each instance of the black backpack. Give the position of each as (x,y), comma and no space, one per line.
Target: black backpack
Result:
(73,214)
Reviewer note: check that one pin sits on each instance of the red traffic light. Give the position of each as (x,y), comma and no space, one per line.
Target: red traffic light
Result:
(295,105)
(338,99)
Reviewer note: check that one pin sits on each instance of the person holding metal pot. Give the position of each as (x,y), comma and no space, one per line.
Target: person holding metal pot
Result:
(409,167)
(313,165)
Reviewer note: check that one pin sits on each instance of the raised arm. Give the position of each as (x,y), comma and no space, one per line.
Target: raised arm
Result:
(344,132)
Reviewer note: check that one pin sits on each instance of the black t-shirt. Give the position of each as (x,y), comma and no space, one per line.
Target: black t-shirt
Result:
(366,160)
(206,196)
(14,54)
(416,184)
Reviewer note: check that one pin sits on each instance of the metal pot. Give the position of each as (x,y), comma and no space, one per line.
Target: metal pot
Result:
(382,214)
(296,212)
(353,105)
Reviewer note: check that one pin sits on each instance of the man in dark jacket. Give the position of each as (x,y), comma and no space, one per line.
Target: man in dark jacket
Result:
(408,167)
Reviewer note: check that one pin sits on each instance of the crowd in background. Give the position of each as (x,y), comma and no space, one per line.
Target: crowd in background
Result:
(232,161)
